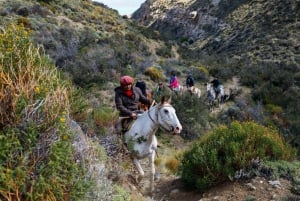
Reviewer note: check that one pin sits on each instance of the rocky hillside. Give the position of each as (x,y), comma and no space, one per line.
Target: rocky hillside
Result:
(256,40)
(84,38)
(93,45)
(247,30)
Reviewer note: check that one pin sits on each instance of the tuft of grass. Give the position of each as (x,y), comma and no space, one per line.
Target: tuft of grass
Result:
(172,164)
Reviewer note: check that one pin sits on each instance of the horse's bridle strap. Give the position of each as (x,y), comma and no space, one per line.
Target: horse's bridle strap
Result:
(151,117)
(156,115)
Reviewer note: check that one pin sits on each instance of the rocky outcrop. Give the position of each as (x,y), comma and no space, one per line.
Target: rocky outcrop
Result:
(179,19)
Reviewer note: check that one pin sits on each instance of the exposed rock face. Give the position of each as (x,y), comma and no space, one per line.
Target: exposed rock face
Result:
(178,19)
(245,29)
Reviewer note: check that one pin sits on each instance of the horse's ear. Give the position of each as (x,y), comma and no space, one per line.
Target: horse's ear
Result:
(169,100)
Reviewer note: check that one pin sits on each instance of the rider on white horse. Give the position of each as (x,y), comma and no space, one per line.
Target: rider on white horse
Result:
(127,98)
(189,82)
(141,140)
(217,85)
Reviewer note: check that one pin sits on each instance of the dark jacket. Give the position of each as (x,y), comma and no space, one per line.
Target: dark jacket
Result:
(189,81)
(215,83)
(126,105)
(142,86)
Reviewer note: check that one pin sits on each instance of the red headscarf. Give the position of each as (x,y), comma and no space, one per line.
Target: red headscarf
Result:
(126,80)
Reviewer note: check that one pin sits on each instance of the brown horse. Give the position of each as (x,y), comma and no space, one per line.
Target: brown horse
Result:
(145,107)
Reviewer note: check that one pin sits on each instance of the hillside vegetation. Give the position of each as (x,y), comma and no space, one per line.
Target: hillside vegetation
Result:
(60,61)
(84,38)
(37,158)
(256,41)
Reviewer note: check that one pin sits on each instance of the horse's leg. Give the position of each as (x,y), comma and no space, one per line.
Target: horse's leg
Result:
(152,167)
(211,106)
(140,169)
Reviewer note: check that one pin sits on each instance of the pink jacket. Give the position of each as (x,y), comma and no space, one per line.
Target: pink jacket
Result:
(174,84)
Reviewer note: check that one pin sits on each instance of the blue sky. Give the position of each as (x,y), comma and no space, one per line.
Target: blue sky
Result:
(124,7)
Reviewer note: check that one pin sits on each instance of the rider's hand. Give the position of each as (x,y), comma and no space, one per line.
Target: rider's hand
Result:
(133,115)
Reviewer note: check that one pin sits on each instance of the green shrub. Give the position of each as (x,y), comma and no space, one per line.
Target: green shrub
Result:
(164,51)
(203,70)
(200,73)
(154,73)
(192,113)
(104,116)
(218,155)
(79,106)
(274,109)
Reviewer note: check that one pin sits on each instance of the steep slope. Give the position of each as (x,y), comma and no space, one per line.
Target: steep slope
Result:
(249,30)
(84,38)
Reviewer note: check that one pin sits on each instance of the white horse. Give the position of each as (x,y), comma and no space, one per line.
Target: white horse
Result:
(213,97)
(141,140)
(194,91)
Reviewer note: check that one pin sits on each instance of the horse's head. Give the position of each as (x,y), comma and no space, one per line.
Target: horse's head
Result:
(208,87)
(166,116)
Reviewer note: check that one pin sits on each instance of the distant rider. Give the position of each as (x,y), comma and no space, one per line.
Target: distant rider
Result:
(174,83)
(189,82)
(216,85)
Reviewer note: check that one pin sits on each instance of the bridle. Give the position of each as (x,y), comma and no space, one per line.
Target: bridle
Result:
(158,110)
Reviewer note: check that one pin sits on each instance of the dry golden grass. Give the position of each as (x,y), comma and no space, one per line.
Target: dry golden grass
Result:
(30,86)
